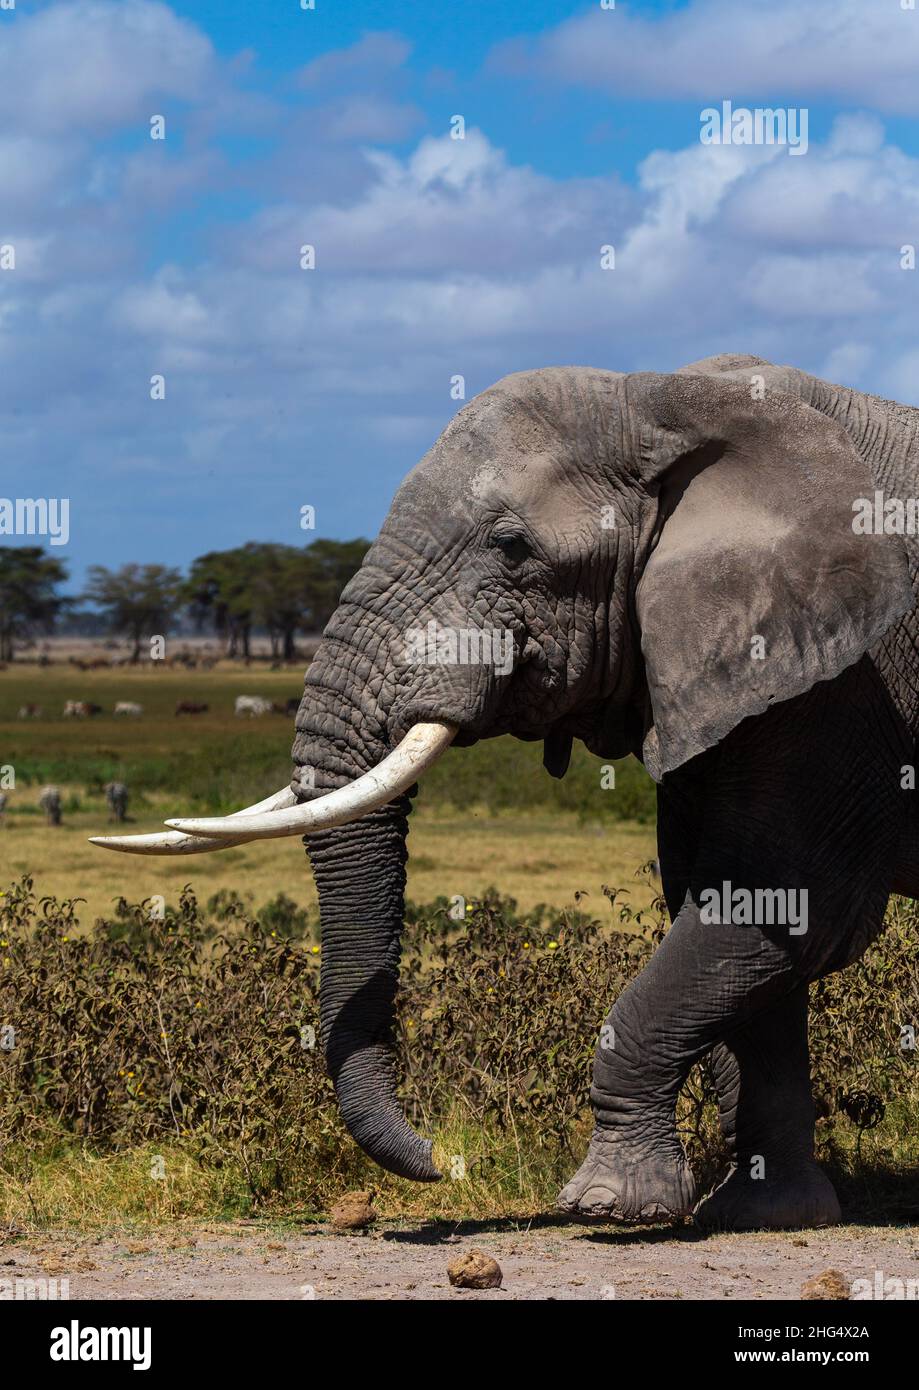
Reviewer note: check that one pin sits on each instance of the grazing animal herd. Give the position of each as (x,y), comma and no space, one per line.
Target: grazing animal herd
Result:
(50,803)
(250,706)
(81,709)
(254,706)
(116,793)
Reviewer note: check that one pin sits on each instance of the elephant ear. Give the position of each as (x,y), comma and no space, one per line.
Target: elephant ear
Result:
(756,585)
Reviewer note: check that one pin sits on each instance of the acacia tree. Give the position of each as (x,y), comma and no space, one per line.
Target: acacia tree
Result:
(138,601)
(219,587)
(332,563)
(28,599)
(284,589)
(297,590)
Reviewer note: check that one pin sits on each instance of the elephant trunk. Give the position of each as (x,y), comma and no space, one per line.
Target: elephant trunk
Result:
(359,870)
(360,875)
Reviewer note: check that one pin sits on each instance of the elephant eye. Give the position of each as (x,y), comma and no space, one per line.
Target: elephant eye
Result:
(513,547)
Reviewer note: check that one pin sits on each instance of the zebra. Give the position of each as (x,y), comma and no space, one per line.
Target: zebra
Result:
(116,794)
(50,802)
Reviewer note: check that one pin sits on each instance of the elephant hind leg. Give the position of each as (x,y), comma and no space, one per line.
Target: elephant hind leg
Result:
(762,1072)
(906,873)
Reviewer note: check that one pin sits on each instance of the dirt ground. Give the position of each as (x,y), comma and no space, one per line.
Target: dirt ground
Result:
(539,1260)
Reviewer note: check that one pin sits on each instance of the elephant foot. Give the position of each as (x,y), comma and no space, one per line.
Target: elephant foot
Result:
(798,1199)
(614,1184)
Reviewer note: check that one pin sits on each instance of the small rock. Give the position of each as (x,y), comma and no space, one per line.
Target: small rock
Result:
(353,1212)
(474,1270)
(828,1285)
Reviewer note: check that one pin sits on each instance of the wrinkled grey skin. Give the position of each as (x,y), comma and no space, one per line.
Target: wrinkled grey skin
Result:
(733,521)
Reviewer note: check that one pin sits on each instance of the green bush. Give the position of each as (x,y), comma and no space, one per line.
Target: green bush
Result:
(505,774)
(201,1027)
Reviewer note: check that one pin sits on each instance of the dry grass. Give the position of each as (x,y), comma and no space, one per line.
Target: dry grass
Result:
(534,859)
(148,1187)
(543,849)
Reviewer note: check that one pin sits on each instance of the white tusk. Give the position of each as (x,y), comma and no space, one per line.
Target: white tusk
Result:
(422,746)
(168,842)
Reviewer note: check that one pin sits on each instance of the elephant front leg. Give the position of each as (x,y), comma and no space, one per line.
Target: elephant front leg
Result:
(635,1169)
(703,982)
(762,1073)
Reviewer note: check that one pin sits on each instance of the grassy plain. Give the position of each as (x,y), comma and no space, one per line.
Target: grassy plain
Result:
(486,816)
(118,1030)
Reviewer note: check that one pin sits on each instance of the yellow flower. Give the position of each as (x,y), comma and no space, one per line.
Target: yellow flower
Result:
(553,945)
(526,945)
(314,950)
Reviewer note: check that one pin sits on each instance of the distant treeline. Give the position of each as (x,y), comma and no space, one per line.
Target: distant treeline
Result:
(258,587)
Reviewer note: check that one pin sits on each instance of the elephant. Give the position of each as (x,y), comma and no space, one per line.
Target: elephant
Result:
(690,567)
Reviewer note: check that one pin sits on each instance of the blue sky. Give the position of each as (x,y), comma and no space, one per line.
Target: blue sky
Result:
(435,257)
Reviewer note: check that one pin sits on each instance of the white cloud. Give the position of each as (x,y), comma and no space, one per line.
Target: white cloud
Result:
(166,308)
(859,51)
(366,118)
(453,257)
(452,206)
(847,362)
(814,287)
(96,64)
(376,52)
(901,378)
(31,170)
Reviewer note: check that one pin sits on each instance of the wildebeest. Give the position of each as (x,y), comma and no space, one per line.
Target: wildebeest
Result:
(81,709)
(116,795)
(190,707)
(49,800)
(292,705)
(30,711)
(129,709)
(253,706)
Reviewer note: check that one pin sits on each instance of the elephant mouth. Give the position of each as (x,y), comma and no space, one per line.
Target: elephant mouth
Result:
(412,712)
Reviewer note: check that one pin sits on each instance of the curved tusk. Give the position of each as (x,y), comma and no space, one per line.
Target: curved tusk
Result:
(168,842)
(422,746)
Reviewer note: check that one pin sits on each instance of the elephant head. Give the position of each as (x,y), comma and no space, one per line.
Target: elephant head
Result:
(639,561)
